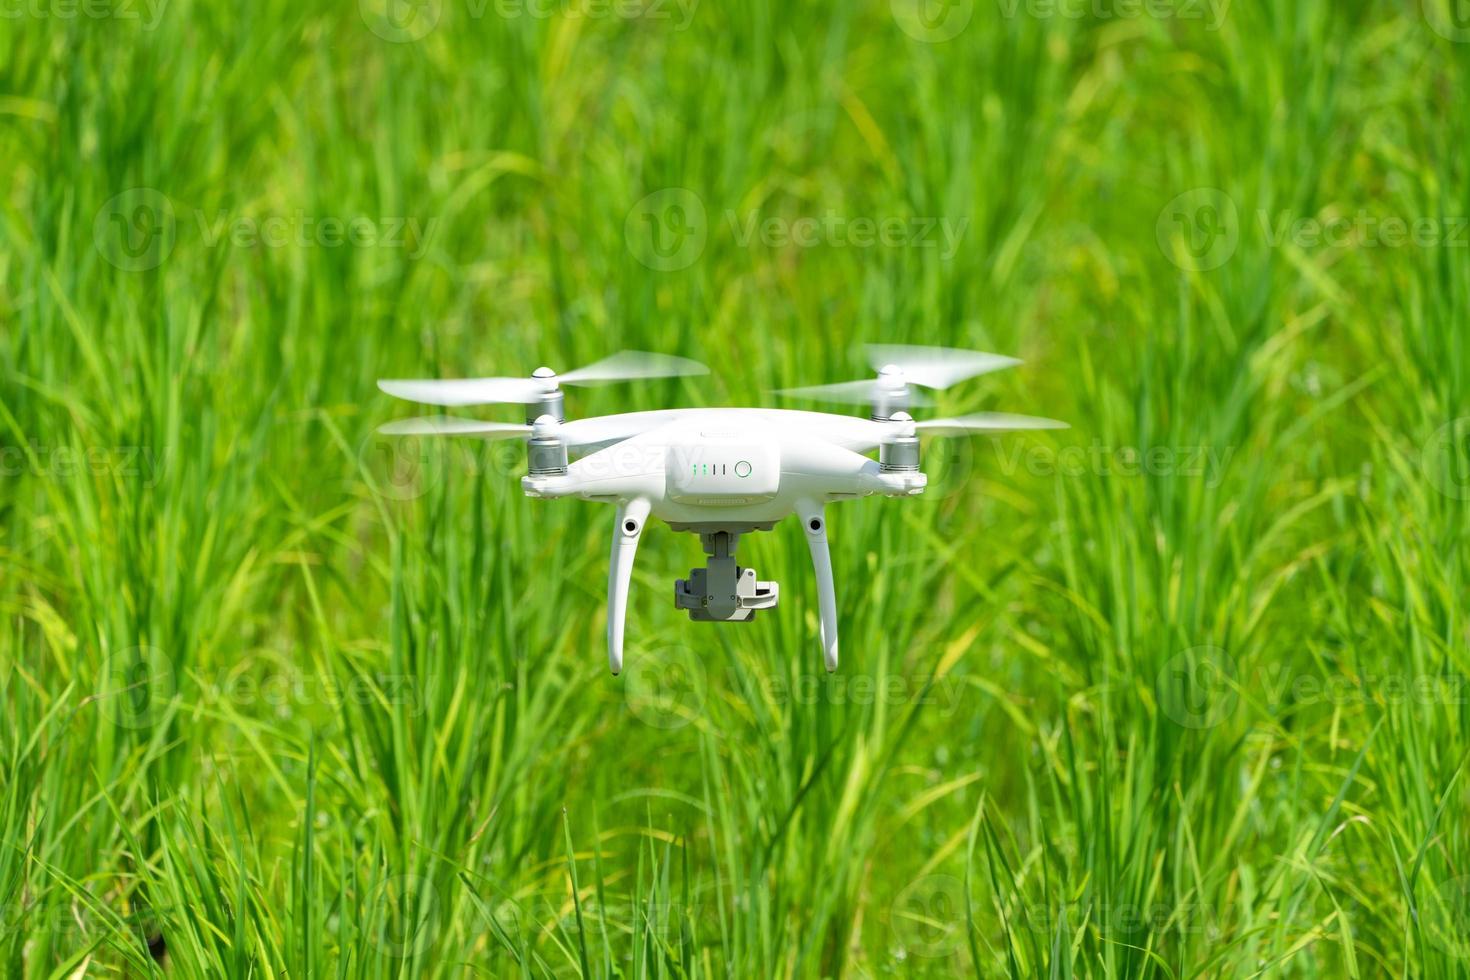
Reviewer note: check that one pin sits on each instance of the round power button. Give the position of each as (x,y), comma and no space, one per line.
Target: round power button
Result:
(742,469)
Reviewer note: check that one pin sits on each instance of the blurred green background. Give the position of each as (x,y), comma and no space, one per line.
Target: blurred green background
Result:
(1180,691)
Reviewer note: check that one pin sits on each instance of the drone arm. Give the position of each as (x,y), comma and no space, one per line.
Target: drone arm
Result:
(632,515)
(814,525)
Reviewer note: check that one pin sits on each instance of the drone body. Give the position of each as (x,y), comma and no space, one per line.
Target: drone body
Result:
(718,472)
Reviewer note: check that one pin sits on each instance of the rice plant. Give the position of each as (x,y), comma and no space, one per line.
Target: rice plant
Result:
(1181,691)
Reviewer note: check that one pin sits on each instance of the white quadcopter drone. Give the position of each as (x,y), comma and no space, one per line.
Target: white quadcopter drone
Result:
(719,472)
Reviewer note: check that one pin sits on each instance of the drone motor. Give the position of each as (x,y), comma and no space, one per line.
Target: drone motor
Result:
(549,401)
(546,454)
(900,452)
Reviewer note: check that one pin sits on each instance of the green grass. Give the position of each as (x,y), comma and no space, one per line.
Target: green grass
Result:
(283,697)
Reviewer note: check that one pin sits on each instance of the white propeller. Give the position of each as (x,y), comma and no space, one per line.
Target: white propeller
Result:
(468,391)
(633,365)
(899,366)
(936,367)
(986,422)
(446,425)
(576,433)
(624,366)
(854,392)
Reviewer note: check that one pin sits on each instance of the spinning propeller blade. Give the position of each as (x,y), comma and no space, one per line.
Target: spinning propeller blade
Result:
(901,366)
(986,422)
(466,391)
(579,432)
(849,393)
(628,365)
(633,365)
(936,367)
(445,425)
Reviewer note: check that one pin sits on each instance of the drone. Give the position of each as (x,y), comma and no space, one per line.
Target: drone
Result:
(720,473)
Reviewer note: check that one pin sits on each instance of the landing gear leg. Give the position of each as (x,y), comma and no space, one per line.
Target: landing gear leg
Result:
(814,524)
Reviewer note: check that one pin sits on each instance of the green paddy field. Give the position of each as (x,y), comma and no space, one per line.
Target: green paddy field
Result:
(1181,691)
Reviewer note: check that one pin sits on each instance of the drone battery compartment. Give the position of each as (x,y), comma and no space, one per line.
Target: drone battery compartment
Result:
(719,471)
